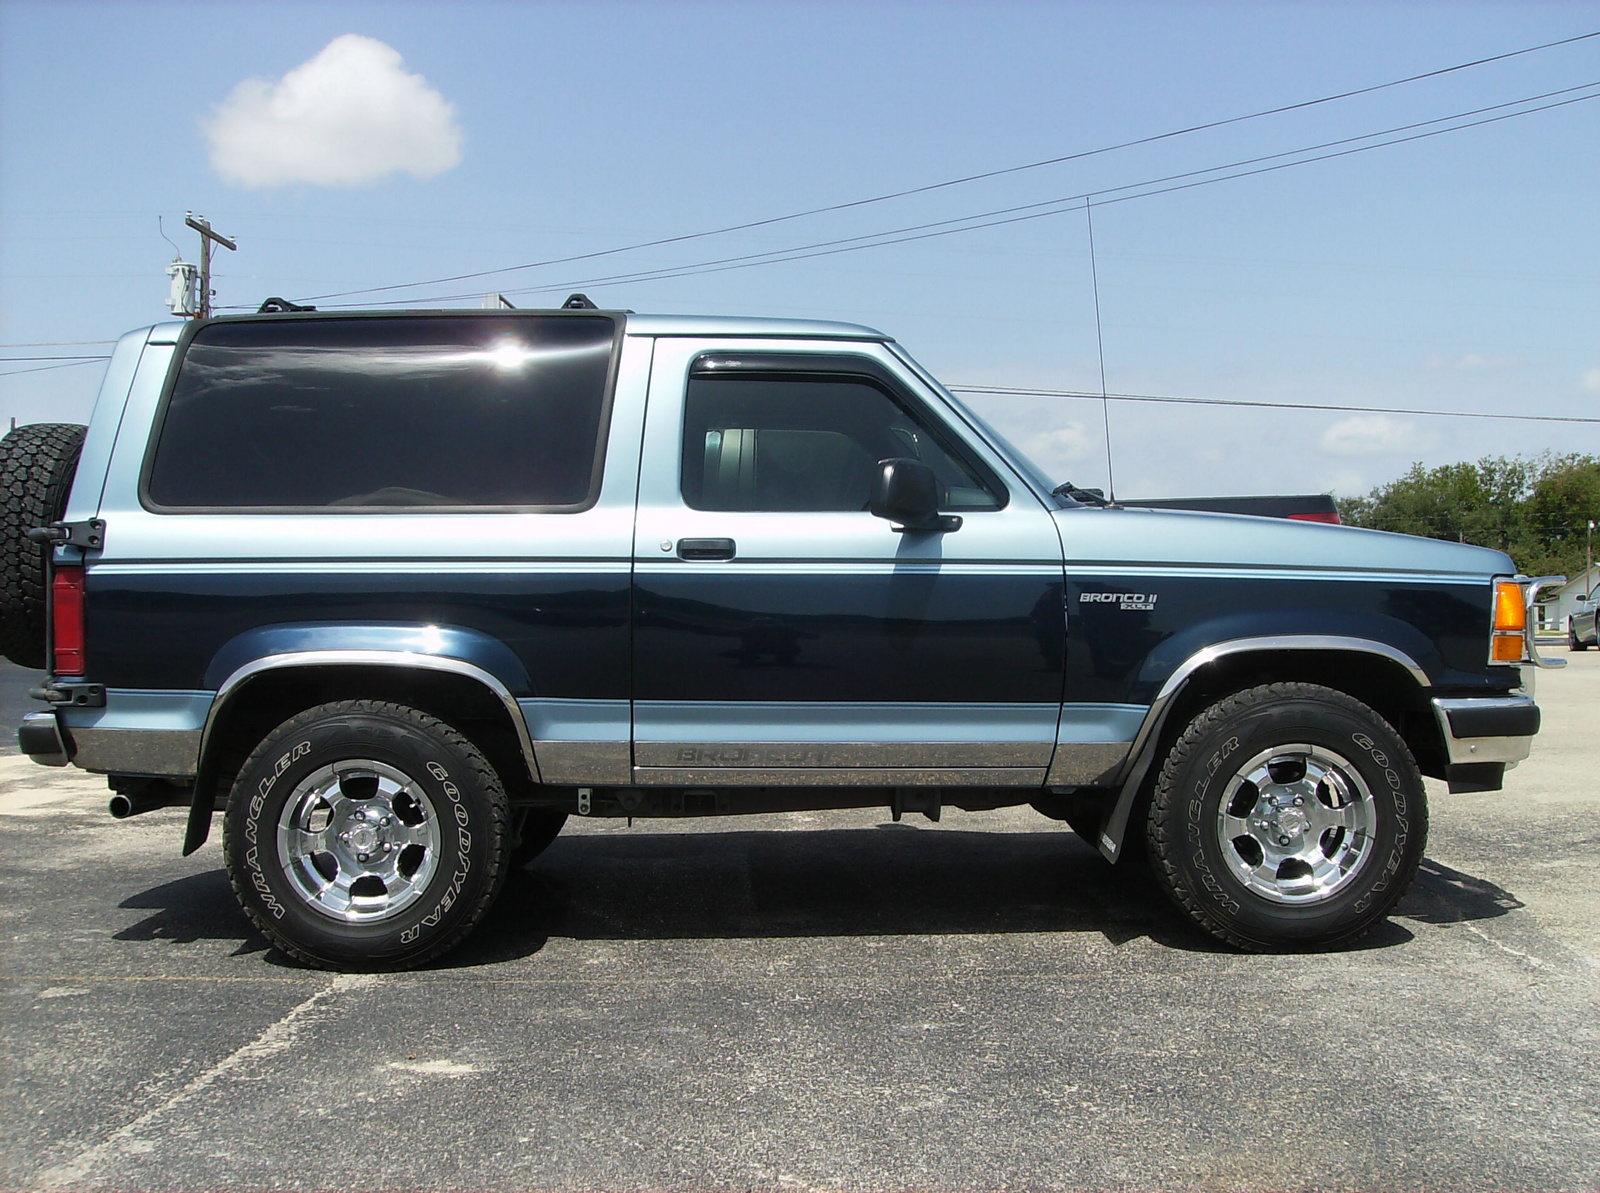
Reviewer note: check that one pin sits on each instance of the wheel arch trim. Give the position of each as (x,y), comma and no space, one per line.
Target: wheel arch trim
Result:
(201,809)
(1141,755)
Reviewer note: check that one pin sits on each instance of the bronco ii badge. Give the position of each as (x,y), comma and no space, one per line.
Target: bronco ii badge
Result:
(1126,600)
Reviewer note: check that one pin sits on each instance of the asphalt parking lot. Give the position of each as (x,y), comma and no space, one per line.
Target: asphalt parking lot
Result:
(824,1001)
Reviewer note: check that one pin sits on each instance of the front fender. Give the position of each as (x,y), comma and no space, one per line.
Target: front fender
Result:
(1178,656)
(1142,754)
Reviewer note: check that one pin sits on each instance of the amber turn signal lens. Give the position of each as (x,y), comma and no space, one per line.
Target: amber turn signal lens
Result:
(1510,613)
(1510,623)
(1507,648)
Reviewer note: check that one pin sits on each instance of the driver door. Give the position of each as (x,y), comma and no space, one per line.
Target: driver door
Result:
(785,635)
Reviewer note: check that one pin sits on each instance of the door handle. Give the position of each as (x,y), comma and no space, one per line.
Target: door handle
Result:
(705,549)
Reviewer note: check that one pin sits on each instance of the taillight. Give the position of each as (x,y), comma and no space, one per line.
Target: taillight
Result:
(1329,516)
(66,612)
(1510,623)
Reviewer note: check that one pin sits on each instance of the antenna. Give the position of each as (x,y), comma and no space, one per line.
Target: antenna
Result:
(1100,343)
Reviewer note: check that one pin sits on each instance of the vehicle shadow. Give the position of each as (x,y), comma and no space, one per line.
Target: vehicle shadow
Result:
(186,910)
(1441,895)
(890,880)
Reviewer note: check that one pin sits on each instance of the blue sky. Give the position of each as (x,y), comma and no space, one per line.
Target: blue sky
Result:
(1459,272)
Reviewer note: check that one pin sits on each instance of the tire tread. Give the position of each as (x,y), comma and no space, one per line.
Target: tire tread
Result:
(37,465)
(1163,848)
(498,827)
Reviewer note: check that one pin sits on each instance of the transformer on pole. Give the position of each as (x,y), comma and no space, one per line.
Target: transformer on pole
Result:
(183,300)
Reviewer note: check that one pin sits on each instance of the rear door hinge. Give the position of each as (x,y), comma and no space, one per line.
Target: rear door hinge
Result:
(79,695)
(89,534)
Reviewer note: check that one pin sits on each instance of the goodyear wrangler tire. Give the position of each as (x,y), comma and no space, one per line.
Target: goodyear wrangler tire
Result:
(1288,817)
(363,835)
(37,464)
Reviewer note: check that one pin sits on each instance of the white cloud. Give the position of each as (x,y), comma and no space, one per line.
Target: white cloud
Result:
(1591,381)
(349,116)
(1069,443)
(1476,362)
(1373,435)
(1344,482)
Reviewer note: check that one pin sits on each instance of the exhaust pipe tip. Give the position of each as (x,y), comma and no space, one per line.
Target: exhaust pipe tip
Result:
(134,797)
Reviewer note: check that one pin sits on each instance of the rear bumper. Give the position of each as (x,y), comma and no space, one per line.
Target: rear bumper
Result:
(133,732)
(40,738)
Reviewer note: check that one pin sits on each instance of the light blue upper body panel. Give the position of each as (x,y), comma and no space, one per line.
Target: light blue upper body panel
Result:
(1188,539)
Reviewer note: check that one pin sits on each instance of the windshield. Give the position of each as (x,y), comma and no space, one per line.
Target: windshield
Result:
(1041,481)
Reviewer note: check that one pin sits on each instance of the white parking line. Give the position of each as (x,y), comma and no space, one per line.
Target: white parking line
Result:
(129,1140)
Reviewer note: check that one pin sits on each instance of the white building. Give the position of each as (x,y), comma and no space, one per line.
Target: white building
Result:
(1557,604)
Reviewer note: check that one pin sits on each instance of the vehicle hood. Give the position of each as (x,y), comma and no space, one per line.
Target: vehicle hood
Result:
(1185,538)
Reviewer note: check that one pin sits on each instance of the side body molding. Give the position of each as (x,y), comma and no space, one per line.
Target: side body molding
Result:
(1142,753)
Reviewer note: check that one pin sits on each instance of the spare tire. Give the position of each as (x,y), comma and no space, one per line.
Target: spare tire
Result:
(37,463)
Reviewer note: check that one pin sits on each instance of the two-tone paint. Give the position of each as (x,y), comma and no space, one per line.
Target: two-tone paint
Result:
(1036,646)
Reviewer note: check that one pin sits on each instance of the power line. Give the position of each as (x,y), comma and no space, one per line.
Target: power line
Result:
(46,368)
(1048,207)
(961,181)
(81,356)
(1023,392)
(58,344)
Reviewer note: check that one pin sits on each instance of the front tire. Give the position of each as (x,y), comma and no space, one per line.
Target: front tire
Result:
(1288,817)
(366,836)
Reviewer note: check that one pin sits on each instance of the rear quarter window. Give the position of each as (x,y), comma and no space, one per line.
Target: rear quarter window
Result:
(403,412)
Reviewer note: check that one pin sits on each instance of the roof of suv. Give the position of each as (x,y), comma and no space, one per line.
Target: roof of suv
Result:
(728,325)
(643,325)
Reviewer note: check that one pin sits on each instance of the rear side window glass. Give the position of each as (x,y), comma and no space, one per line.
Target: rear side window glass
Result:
(409,411)
(809,444)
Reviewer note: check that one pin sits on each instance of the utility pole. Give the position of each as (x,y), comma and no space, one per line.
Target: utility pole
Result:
(207,238)
(1588,545)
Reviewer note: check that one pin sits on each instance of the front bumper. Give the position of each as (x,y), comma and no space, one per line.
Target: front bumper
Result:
(1483,736)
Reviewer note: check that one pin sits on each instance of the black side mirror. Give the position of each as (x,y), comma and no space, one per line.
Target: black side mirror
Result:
(907,493)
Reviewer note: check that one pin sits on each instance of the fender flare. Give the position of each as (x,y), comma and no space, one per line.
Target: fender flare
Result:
(1142,754)
(202,806)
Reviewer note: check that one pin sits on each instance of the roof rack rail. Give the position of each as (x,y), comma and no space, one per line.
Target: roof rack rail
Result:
(278,306)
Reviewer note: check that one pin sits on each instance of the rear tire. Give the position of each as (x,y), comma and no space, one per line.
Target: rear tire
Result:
(1288,817)
(37,464)
(366,836)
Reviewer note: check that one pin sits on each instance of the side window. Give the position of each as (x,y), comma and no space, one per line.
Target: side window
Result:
(811,443)
(399,412)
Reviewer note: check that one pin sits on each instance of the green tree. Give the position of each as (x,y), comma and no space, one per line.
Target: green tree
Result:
(1534,509)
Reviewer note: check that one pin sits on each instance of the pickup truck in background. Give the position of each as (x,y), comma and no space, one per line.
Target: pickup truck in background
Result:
(1300,507)
(398,593)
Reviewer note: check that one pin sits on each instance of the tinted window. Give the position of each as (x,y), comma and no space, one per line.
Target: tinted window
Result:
(396,412)
(812,443)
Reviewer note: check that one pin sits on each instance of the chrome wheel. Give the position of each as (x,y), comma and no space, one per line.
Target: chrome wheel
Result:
(358,840)
(1295,823)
